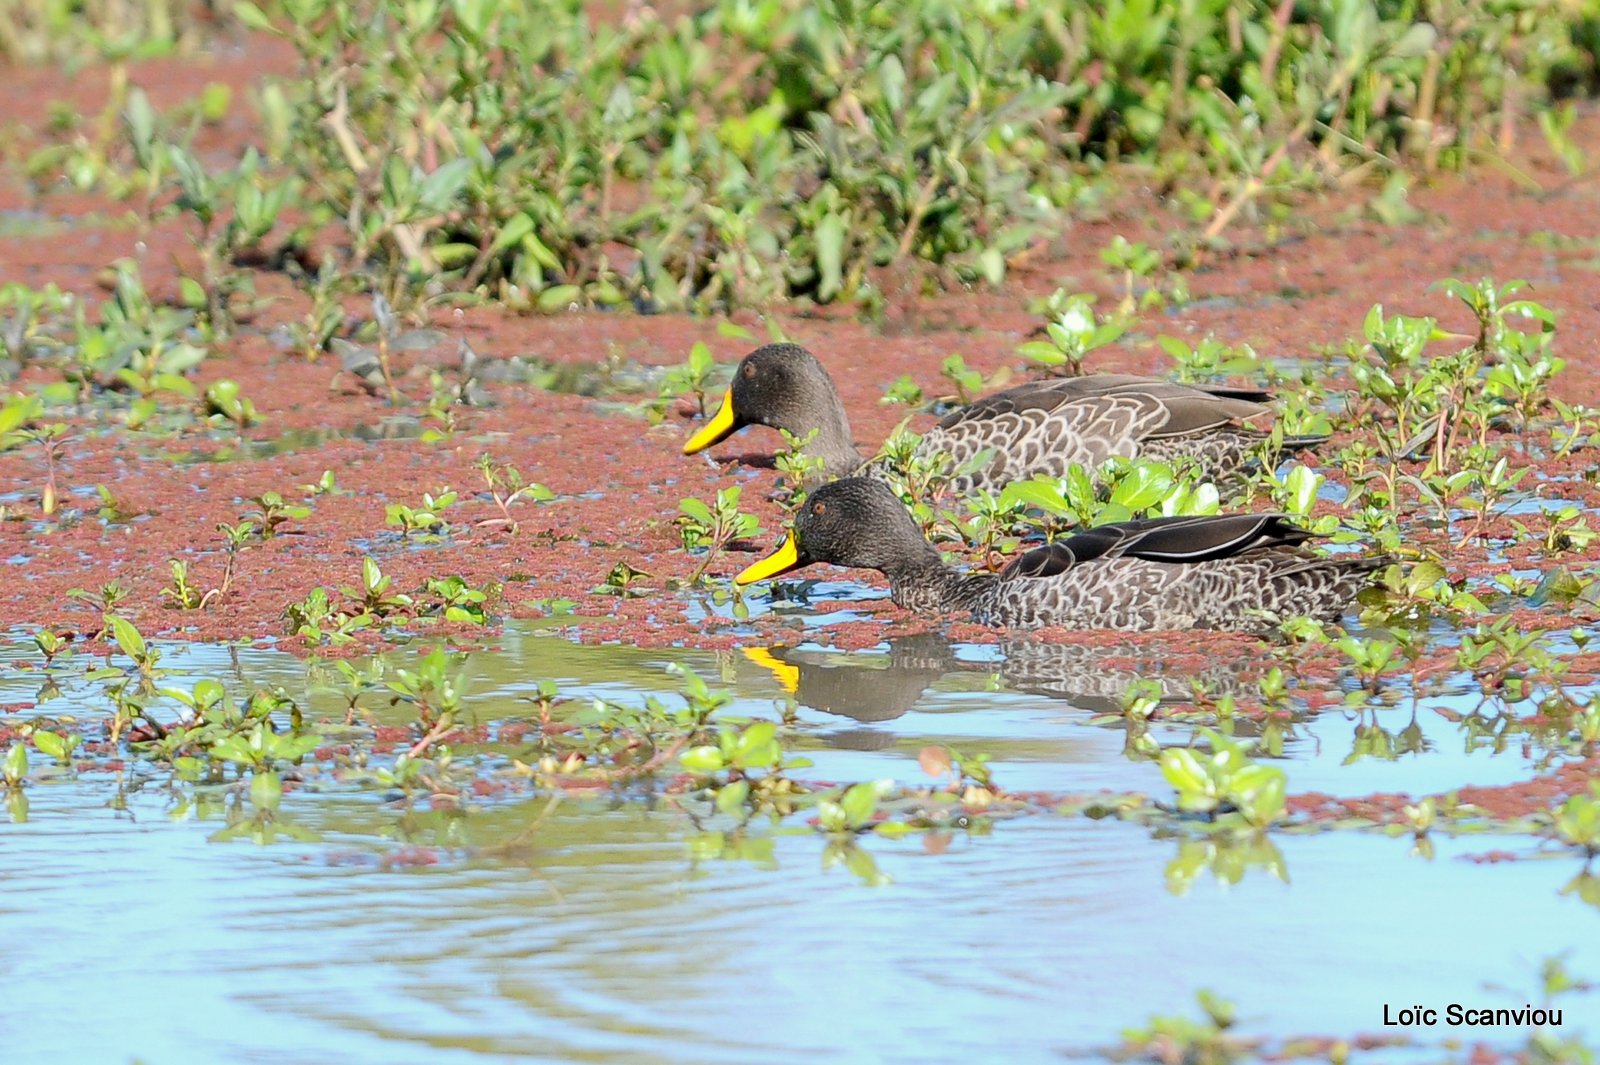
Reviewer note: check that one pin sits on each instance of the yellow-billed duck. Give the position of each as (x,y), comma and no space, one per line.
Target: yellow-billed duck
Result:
(1042,427)
(1231,571)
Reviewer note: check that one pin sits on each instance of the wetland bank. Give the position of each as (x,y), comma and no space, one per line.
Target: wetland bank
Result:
(374,682)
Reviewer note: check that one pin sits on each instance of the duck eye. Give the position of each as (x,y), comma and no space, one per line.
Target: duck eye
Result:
(749,369)
(818,508)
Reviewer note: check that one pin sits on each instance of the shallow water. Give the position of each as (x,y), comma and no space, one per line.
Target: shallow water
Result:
(608,933)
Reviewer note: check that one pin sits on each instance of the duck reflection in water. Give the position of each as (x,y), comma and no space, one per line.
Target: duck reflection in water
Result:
(876,687)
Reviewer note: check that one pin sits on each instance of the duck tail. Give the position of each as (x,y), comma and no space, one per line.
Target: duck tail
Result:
(1367,564)
(1249,395)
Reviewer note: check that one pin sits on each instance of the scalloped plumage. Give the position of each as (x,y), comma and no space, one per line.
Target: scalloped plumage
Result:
(1234,571)
(1042,427)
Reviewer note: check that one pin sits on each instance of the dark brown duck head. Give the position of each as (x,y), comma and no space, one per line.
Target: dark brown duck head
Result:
(783,386)
(856,522)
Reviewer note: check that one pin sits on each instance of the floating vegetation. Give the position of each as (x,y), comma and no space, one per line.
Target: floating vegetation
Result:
(376,661)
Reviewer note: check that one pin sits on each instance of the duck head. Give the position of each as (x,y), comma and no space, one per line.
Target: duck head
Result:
(857,522)
(782,386)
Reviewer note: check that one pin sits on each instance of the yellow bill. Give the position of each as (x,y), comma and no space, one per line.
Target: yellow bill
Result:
(718,428)
(784,559)
(788,676)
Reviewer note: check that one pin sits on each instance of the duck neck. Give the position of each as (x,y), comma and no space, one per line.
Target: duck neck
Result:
(921,581)
(833,446)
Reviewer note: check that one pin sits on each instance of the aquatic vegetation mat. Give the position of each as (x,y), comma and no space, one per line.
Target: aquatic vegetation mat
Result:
(375,684)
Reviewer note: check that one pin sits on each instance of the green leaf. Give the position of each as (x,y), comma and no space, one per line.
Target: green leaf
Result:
(128,637)
(1039,351)
(559,298)
(473,16)
(702,759)
(1174,347)
(700,359)
(174,383)
(860,801)
(444,186)
(511,234)
(1047,497)
(1303,484)
(266,791)
(696,509)
(214,101)
(16,764)
(757,746)
(731,797)
(252,17)
(372,578)
(50,743)
(892,82)
(1184,772)
(294,748)
(181,358)
(992,265)
(1143,487)
(830,234)
(141,120)
(17,411)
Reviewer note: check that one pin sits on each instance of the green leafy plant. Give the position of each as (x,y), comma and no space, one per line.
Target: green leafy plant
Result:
(713,527)
(903,392)
(459,600)
(1123,489)
(1577,820)
(112,510)
(624,581)
(969,383)
(225,400)
(798,468)
(17,414)
(14,769)
(51,645)
(51,440)
(374,596)
(1133,262)
(184,595)
(1209,359)
(315,620)
(132,643)
(1073,331)
(436,689)
(855,808)
(105,599)
(426,518)
(1225,782)
(273,511)
(1204,1042)
(750,760)
(692,376)
(1369,656)
(57,745)
(506,487)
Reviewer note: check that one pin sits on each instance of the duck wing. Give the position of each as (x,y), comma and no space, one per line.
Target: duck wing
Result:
(1174,540)
(1109,383)
(1049,426)
(1222,402)
(1018,433)
(1108,405)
